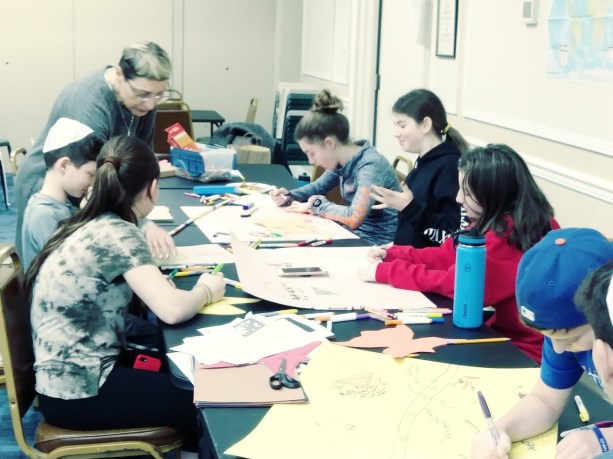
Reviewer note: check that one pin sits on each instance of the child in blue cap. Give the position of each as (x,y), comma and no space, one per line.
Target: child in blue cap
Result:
(548,277)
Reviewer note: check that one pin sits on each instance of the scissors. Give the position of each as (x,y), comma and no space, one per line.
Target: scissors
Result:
(281,379)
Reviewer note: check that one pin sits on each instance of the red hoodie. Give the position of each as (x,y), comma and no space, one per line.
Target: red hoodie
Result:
(432,269)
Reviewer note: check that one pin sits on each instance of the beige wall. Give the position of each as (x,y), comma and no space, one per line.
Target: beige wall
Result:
(497,90)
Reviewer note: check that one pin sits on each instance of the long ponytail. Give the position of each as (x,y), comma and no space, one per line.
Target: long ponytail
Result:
(125,167)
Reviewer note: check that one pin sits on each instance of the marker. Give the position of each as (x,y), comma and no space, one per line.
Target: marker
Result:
(247,206)
(348,316)
(220,233)
(173,273)
(217,268)
(303,243)
(600,425)
(314,315)
(276,313)
(192,195)
(318,243)
(583,413)
(256,244)
(409,315)
(277,245)
(189,221)
(380,313)
(414,321)
(488,417)
(476,341)
(410,309)
(249,212)
(189,273)
(233,283)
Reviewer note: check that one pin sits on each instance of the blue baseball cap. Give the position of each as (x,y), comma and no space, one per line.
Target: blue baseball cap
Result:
(550,273)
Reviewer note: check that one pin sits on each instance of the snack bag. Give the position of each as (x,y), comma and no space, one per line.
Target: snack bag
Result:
(177,137)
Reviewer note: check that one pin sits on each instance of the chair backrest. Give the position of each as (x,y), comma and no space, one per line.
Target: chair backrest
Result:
(253,107)
(16,341)
(166,118)
(407,166)
(334,194)
(15,158)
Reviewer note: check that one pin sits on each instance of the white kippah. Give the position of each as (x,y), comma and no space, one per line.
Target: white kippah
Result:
(64,132)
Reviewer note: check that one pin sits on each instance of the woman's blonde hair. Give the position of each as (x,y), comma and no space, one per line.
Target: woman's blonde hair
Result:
(145,59)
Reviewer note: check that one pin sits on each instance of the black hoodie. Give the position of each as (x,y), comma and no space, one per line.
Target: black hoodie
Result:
(434,213)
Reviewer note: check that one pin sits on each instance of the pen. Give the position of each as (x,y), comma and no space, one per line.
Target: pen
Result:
(583,413)
(488,417)
(318,243)
(415,320)
(217,268)
(600,425)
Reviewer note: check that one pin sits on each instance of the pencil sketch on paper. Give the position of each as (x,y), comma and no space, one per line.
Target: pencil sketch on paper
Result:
(360,386)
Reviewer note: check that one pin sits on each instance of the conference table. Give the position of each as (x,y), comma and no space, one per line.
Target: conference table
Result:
(207,116)
(243,420)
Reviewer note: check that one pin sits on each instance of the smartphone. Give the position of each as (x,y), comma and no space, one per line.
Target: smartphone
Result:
(146,362)
(302,271)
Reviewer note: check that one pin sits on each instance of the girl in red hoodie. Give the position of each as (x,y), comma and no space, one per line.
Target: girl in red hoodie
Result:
(504,202)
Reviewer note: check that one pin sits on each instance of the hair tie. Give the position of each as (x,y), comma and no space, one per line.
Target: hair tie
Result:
(114,160)
(446,128)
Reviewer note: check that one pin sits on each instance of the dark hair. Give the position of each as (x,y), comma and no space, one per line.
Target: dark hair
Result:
(79,152)
(421,103)
(145,59)
(591,298)
(499,180)
(324,120)
(126,167)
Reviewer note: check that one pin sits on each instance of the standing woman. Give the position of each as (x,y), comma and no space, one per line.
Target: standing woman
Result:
(115,100)
(428,211)
(80,285)
(323,134)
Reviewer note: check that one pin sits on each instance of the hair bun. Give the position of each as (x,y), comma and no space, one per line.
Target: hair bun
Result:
(325,102)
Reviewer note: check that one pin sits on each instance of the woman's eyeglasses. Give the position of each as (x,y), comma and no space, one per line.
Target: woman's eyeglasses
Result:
(145,96)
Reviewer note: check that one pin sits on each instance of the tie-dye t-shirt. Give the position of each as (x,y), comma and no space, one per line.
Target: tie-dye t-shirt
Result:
(79,303)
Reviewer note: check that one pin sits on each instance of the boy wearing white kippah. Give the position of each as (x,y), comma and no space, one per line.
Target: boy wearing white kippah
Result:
(548,277)
(595,299)
(69,153)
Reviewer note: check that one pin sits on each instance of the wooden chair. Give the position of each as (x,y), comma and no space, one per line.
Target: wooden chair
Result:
(334,194)
(408,167)
(52,442)
(169,113)
(15,155)
(253,107)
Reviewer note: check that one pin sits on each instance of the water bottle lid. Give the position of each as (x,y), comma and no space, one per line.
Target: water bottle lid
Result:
(471,237)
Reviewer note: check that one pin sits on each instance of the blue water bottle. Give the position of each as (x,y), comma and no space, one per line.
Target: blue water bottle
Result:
(469,280)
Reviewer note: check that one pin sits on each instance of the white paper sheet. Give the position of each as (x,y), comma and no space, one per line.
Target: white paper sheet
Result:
(267,223)
(341,289)
(198,255)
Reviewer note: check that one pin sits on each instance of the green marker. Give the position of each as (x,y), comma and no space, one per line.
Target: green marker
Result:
(217,268)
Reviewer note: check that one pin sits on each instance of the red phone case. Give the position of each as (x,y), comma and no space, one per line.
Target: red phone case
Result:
(146,362)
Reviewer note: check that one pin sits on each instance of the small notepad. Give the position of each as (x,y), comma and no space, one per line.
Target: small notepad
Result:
(160,214)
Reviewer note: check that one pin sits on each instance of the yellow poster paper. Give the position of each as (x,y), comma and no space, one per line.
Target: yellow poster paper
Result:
(226,307)
(365,404)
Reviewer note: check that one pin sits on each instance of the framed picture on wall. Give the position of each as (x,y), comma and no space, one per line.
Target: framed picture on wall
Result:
(446,28)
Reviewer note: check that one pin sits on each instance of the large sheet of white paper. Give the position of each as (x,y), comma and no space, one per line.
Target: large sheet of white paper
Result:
(198,255)
(340,289)
(268,223)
